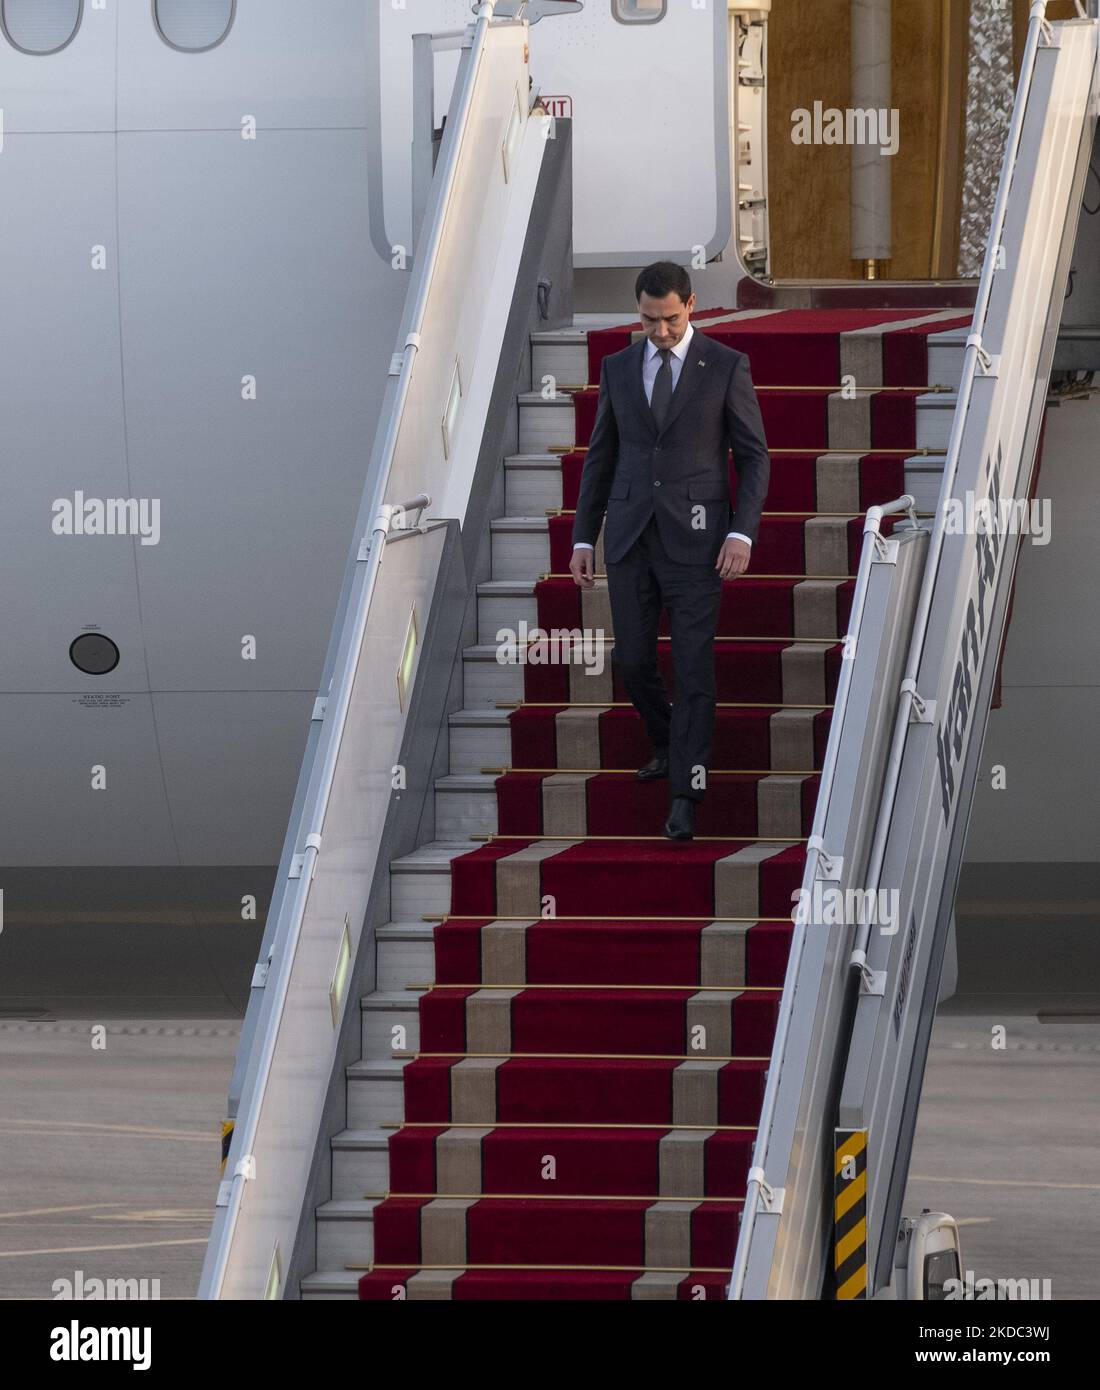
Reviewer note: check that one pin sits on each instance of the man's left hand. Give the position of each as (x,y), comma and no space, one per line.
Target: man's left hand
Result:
(733,558)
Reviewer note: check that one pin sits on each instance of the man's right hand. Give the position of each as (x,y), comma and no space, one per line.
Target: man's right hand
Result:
(583,566)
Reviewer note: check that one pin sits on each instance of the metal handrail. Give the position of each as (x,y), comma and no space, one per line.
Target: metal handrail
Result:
(758,1186)
(313,811)
(975,353)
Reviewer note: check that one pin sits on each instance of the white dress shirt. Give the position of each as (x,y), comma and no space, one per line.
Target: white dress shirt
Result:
(650,368)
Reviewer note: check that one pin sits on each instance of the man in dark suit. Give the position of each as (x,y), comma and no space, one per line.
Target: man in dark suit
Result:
(670,407)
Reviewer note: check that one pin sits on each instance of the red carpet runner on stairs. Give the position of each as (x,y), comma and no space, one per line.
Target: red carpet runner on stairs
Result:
(579,1122)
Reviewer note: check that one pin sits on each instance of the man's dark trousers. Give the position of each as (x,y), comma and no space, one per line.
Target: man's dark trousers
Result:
(638,585)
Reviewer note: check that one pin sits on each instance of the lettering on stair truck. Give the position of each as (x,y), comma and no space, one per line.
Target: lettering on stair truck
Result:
(903,975)
(955,723)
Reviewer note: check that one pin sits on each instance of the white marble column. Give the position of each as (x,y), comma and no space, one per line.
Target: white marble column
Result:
(872,170)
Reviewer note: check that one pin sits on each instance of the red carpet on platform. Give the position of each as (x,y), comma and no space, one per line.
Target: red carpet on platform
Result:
(580,1118)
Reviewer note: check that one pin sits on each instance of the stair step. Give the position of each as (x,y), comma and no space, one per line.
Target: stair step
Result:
(376,1094)
(935,415)
(546,1285)
(360,1163)
(563,352)
(520,547)
(566,1231)
(503,604)
(946,355)
(532,484)
(466,804)
(537,487)
(575,335)
(405,952)
(717,1023)
(479,738)
(385,1011)
(488,682)
(345,1233)
(420,882)
(545,423)
(331,1285)
(590,1161)
(562,356)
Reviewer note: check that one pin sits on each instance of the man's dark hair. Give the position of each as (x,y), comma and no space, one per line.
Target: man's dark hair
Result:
(661,278)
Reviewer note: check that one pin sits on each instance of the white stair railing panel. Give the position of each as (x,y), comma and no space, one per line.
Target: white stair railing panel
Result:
(783,1240)
(944,699)
(424,458)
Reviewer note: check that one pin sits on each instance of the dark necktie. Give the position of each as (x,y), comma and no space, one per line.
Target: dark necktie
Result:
(662,388)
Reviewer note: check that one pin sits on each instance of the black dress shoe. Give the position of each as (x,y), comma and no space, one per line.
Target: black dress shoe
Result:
(681,819)
(655,769)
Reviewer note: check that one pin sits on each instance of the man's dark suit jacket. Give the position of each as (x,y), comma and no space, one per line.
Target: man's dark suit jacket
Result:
(681,472)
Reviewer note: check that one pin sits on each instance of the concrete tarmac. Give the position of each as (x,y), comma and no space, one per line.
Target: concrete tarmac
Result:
(110,1156)
(1006,1143)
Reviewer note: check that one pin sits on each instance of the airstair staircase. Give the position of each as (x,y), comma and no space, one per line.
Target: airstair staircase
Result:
(578,1094)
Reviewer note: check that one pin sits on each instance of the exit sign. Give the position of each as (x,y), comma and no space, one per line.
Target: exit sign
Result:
(557,106)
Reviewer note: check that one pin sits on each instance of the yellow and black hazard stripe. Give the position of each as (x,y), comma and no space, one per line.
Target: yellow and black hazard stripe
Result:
(227,1138)
(850,1213)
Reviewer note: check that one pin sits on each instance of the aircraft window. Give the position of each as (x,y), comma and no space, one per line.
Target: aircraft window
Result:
(639,11)
(94,654)
(40,26)
(194,25)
